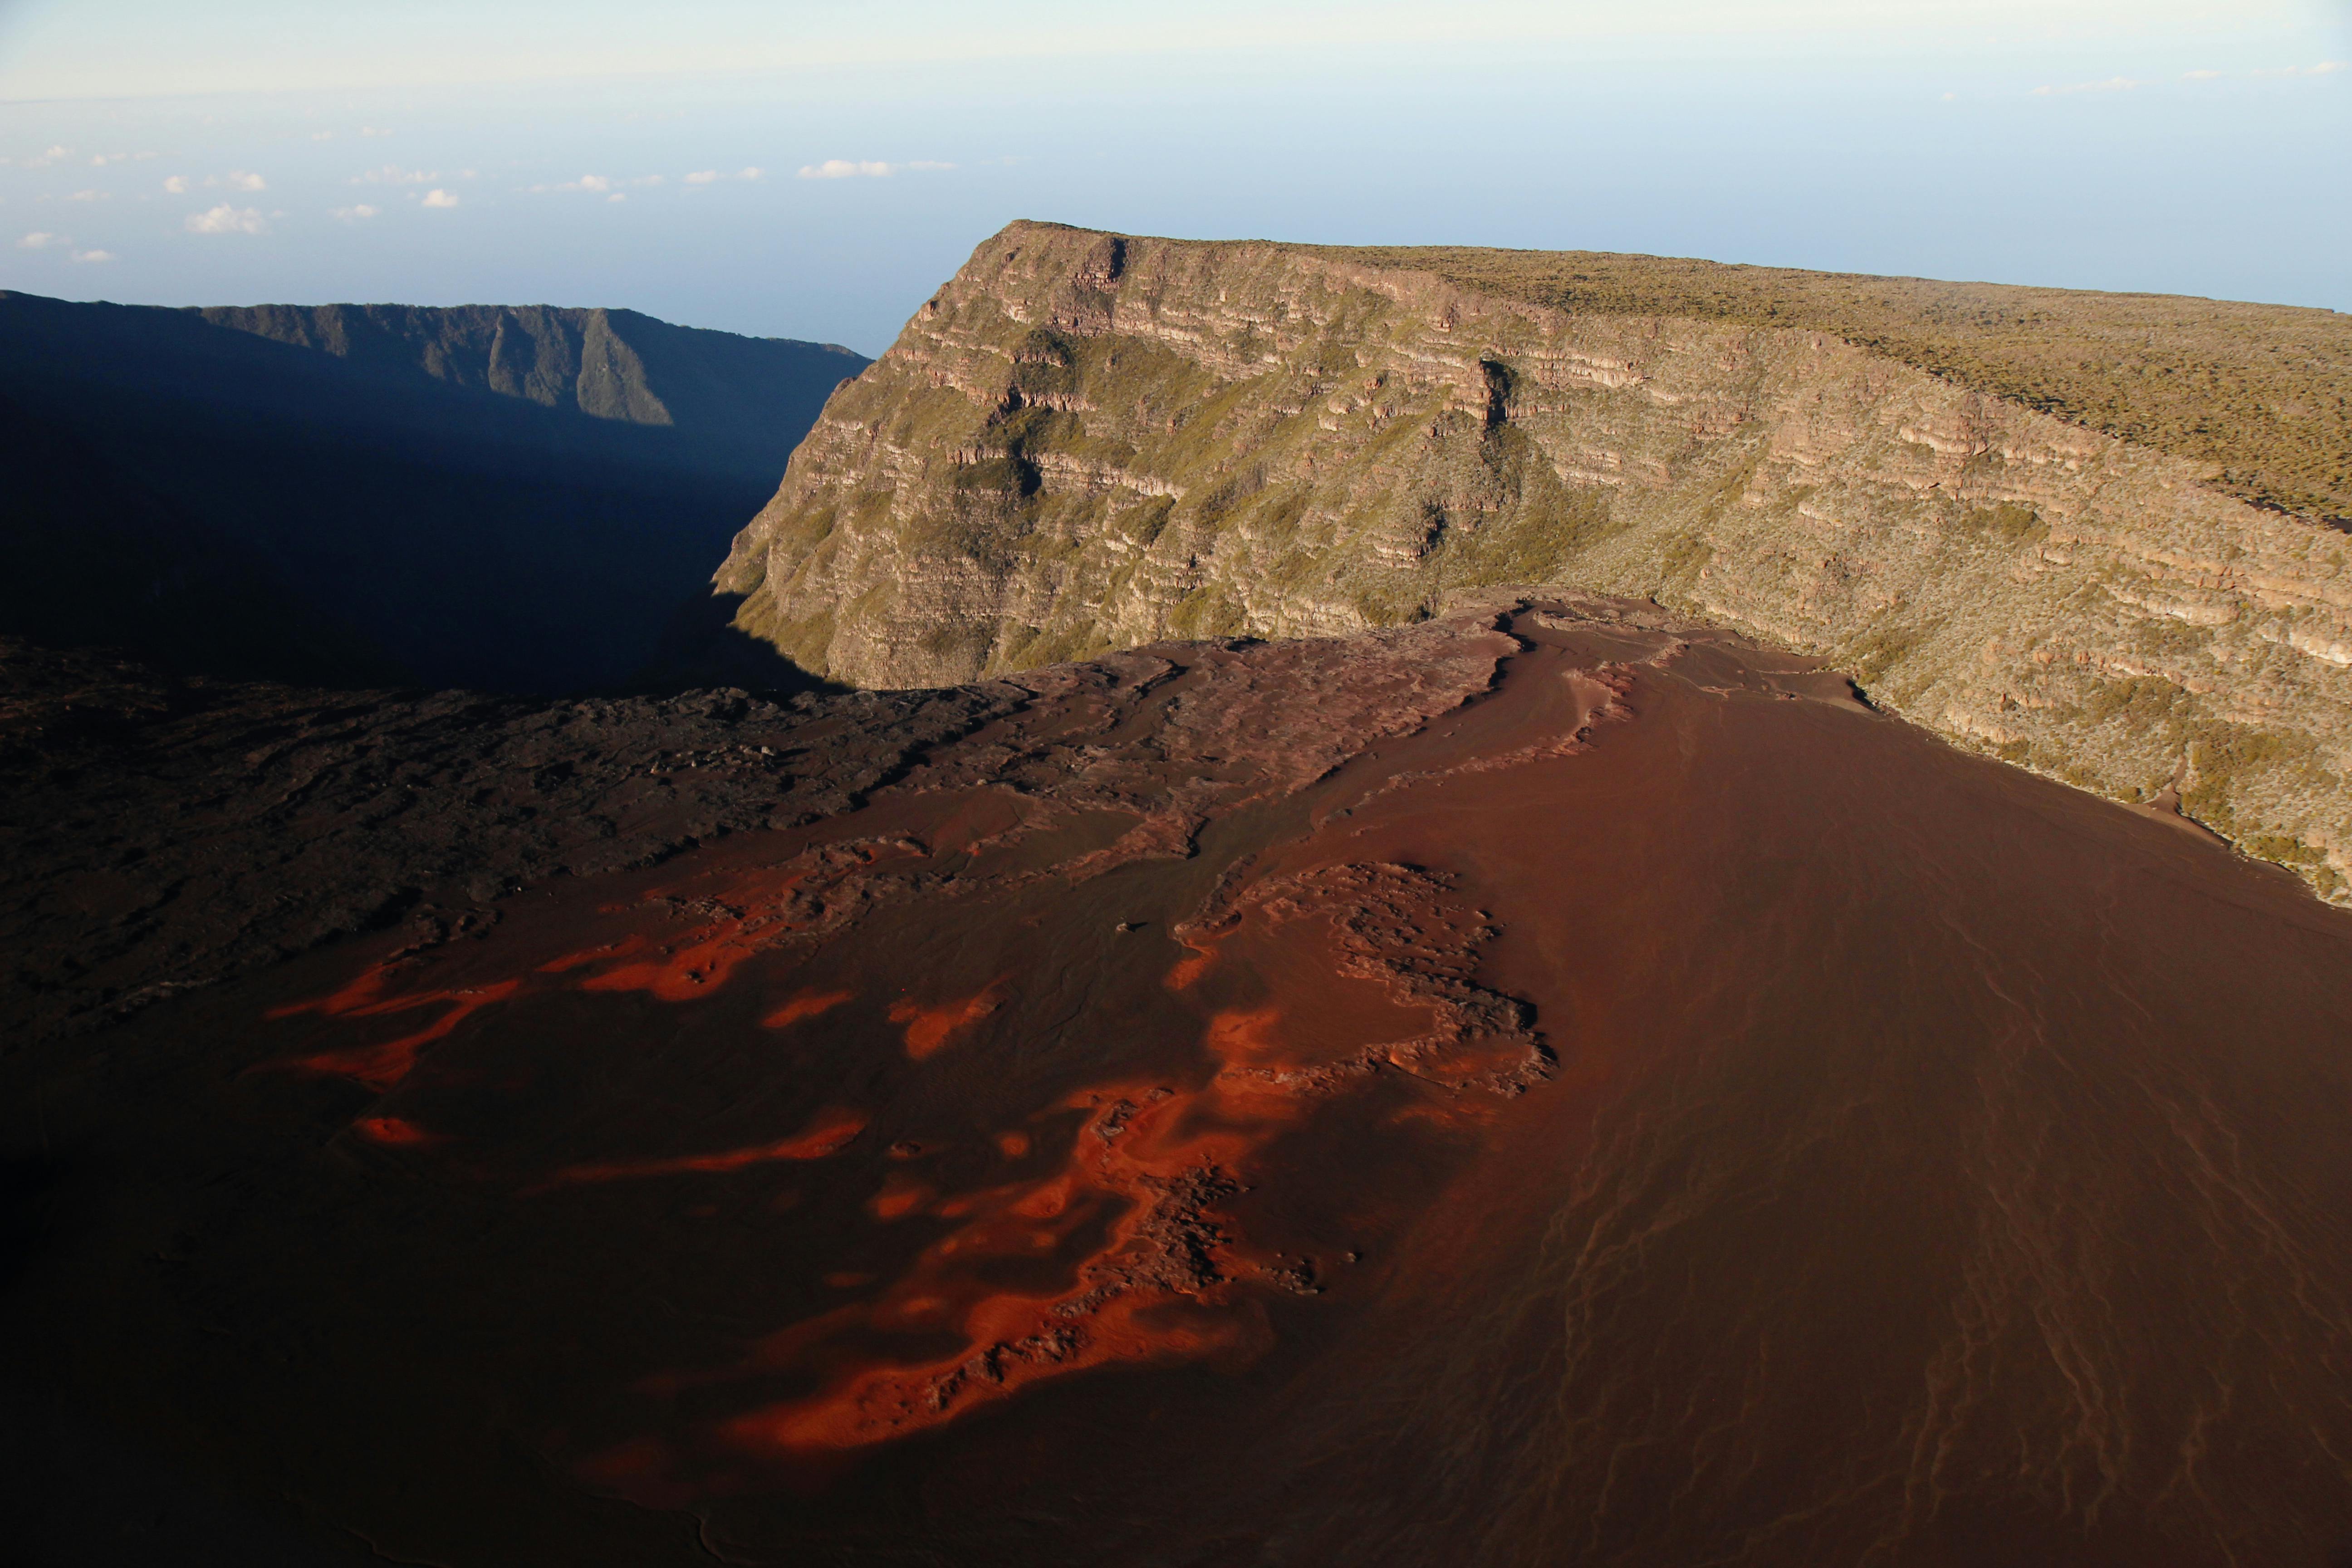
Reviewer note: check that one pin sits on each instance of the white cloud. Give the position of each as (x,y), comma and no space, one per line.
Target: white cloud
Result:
(40,241)
(238,180)
(48,155)
(2113,84)
(93,256)
(100,159)
(372,131)
(702,177)
(602,184)
(352,214)
(845,169)
(90,195)
(617,196)
(751,173)
(393,175)
(227,219)
(322,136)
(439,199)
(177,184)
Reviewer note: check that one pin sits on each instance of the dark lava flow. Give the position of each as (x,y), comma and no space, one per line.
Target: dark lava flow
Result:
(1597,1094)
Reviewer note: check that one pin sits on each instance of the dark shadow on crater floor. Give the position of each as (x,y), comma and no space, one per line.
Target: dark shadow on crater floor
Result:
(701,647)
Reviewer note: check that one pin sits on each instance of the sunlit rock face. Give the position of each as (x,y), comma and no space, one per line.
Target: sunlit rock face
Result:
(1087,441)
(1553,1082)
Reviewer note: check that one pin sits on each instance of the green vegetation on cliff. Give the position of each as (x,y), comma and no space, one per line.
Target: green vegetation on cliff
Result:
(2261,392)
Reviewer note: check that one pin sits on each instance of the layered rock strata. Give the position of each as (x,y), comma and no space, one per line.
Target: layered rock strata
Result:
(1087,441)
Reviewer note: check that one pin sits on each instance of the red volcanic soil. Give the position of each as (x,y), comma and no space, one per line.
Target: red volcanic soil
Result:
(1583,1091)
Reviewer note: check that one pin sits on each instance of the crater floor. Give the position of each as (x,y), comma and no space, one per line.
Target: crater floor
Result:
(1548,1084)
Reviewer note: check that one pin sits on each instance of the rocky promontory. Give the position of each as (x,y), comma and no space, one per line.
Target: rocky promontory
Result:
(1087,441)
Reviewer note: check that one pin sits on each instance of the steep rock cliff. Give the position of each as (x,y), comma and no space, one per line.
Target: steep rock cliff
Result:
(742,401)
(1087,441)
(2261,392)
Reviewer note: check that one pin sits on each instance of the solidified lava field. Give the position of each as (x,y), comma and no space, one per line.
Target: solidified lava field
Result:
(1553,1084)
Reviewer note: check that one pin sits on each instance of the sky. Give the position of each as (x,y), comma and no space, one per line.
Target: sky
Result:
(816,171)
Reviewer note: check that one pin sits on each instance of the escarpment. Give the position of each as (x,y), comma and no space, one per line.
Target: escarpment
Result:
(738,400)
(1085,441)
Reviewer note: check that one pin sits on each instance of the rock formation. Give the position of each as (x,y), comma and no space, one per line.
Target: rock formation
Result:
(1087,441)
(745,400)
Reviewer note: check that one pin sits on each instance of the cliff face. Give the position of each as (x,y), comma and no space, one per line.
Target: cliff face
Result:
(520,499)
(743,400)
(554,357)
(1085,441)
(2264,393)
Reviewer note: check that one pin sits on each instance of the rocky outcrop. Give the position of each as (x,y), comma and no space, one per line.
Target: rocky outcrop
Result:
(1087,441)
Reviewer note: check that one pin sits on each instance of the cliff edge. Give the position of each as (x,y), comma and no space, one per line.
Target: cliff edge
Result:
(1087,441)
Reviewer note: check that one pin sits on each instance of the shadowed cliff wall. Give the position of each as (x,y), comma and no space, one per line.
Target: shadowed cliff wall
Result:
(513,499)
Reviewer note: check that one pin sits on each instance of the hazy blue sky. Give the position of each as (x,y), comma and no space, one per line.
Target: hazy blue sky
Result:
(815,171)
